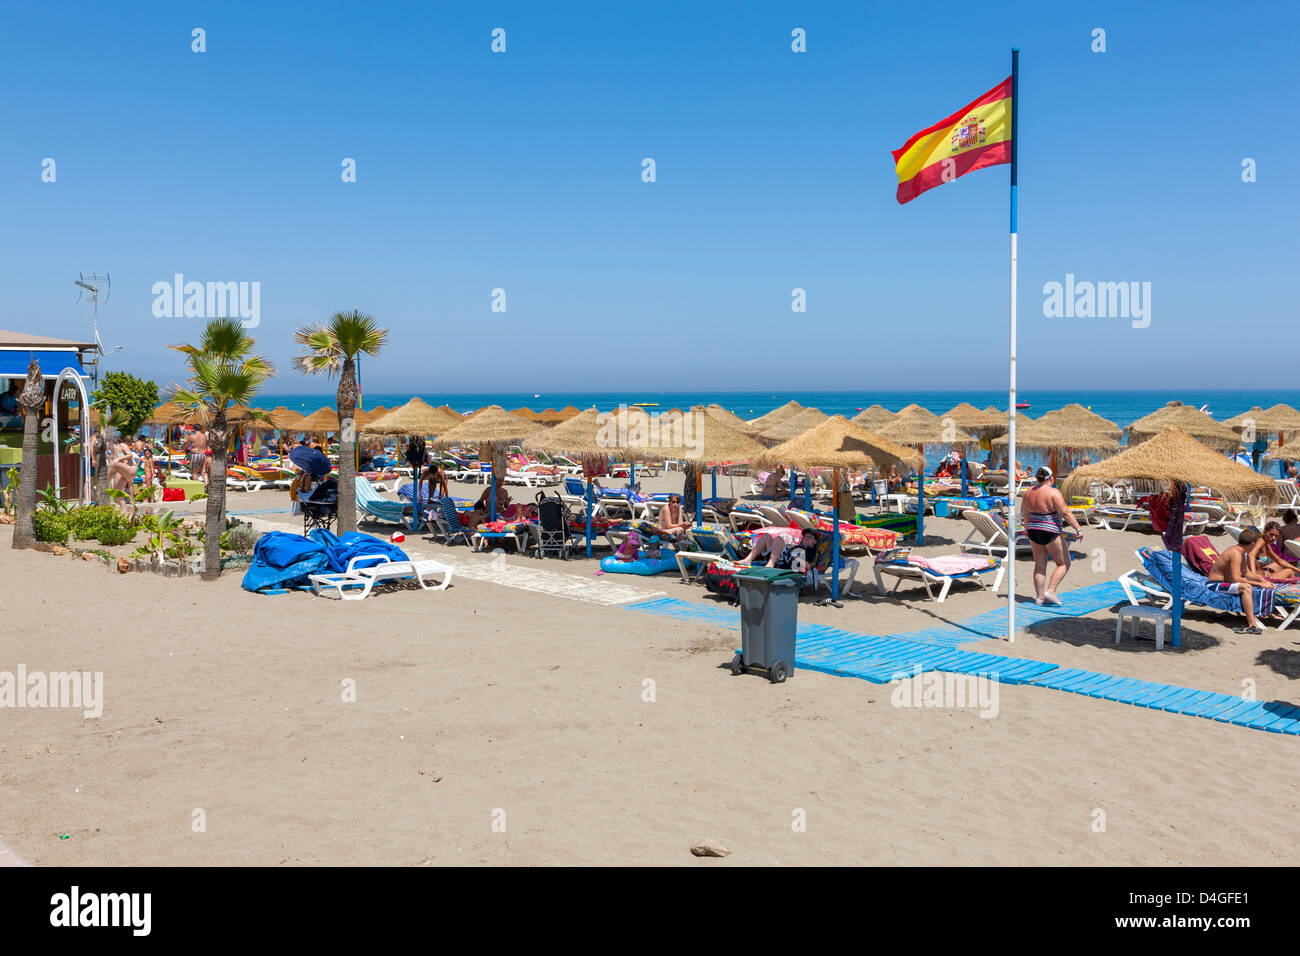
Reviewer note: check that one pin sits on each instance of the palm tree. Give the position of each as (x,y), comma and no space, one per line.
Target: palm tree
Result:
(333,348)
(31,400)
(223,372)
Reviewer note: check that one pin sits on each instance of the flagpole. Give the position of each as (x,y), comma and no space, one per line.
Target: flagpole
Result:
(1011,402)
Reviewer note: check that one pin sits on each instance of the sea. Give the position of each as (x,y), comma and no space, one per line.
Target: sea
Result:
(1121,407)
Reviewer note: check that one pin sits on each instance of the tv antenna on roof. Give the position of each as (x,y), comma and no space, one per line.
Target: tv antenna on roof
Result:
(98,287)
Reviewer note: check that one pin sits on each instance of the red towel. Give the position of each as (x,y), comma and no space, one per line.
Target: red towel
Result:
(1200,553)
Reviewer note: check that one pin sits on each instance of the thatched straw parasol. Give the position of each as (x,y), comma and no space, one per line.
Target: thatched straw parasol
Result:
(1075,415)
(1062,430)
(915,425)
(526,413)
(728,418)
(1187,419)
(1172,456)
(1278,420)
(324,419)
(797,424)
(416,417)
(688,436)
(838,443)
(492,425)
(985,424)
(777,415)
(168,413)
(576,437)
(284,419)
(873,418)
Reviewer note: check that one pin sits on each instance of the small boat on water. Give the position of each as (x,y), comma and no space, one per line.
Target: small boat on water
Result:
(645,404)
(1022,404)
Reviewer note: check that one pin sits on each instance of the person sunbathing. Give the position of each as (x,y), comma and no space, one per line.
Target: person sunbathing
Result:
(672,520)
(764,546)
(772,484)
(1269,558)
(1231,574)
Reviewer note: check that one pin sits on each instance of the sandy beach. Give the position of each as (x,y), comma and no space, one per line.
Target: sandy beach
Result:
(497,723)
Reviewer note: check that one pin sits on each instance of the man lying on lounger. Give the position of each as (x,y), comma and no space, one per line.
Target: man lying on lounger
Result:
(1231,574)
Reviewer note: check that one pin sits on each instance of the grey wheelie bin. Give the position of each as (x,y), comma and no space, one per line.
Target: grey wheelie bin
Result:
(769,612)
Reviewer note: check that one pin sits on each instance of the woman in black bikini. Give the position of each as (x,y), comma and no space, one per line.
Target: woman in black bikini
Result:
(1045,510)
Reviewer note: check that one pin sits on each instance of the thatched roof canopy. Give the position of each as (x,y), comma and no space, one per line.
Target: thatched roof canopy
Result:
(1189,420)
(969,418)
(576,436)
(1168,457)
(1064,430)
(492,425)
(1280,419)
(872,418)
(804,421)
(728,418)
(416,417)
(915,425)
(284,419)
(838,443)
(777,415)
(324,419)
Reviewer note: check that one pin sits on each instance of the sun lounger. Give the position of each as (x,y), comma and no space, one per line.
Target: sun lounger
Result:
(346,582)
(1288,495)
(445,522)
(1153,583)
(943,571)
(373,505)
(1115,518)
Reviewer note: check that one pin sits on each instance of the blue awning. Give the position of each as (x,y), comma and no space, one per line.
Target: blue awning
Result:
(13,362)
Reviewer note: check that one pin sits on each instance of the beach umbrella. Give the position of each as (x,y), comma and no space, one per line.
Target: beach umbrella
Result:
(416,417)
(728,418)
(311,460)
(1076,415)
(492,427)
(324,419)
(796,424)
(777,415)
(872,418)
(1189,420)
(1258,423)
(837,443)
(1062,431)
(986,423)
(918,427)
(1173,461)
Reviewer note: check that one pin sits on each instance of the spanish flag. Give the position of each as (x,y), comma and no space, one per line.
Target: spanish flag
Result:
(976,136)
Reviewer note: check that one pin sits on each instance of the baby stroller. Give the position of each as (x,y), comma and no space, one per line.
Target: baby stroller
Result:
(553,526)
(321,507)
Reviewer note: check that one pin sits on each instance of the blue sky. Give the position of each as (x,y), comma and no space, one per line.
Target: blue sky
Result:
(522,171)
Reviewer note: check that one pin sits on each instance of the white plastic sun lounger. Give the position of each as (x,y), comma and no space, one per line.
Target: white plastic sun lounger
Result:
(367,578)
(930,578)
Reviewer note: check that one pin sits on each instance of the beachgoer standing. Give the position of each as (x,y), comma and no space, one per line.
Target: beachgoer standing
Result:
(1045,510)
(196,444)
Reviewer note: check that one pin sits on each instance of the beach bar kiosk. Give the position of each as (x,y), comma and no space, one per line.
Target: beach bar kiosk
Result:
(64,419)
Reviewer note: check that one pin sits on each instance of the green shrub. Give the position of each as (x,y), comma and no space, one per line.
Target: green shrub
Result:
(85,524)
(50,526)
(116,536)
(241,539)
